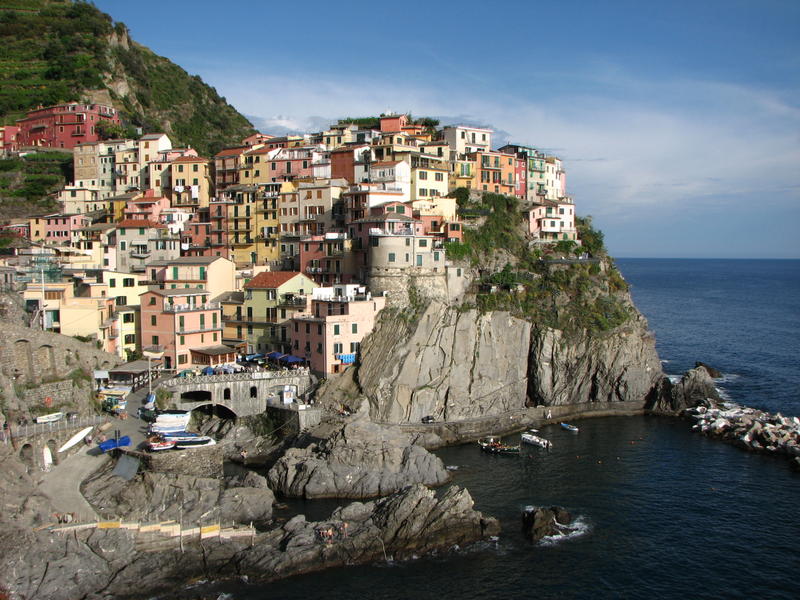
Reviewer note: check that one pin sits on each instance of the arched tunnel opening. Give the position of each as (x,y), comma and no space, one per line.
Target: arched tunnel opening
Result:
(196,396)
(219,411)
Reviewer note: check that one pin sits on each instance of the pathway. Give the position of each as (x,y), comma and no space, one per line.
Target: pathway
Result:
(62,483)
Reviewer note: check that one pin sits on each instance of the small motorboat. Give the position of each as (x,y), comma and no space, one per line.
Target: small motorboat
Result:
(51,418)
(156,443)
(494,445)
(199,441)
(569,427)
(535,440)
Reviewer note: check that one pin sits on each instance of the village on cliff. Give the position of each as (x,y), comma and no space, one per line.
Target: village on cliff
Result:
(281,248)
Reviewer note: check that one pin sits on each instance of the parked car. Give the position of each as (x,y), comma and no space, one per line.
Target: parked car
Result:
(146,414)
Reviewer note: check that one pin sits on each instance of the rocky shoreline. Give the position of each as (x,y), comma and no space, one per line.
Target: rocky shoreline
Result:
(750,429)
(115,563)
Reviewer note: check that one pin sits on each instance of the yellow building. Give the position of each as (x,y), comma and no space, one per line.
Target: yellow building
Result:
(192,186)
(271,300)
(37,228)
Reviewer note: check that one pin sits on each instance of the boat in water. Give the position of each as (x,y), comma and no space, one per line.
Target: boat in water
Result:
(569,427)
(535,440)
(495,445)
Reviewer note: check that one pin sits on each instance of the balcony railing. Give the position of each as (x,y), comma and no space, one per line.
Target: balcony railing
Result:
(383,232)
(176,308)
(292,301)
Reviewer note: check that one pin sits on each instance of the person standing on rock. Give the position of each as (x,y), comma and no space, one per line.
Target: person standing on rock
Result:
(243,454)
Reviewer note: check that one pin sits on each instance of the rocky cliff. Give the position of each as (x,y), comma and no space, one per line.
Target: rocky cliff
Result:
(456,364)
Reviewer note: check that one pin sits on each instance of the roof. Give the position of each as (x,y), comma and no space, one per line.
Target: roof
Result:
(231,151)
(271,279)
(213,350)
(190,159)
(137,366)
(134,223)
(385,217)
(152,136)
(386,163)
(179,292)
(233,297)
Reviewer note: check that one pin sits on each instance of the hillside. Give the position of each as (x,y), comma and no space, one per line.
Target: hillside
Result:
(26,183)
(58,51)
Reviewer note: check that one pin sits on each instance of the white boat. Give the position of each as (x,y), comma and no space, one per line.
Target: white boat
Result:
(52,417)
(196,442)
(180,436)
(569,427)
(535,440)
(163,428)
(75,439)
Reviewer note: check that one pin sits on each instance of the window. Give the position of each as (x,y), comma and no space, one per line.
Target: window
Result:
(112,282)
(128,318)
(195,168)
(154,340)
(354,328)
(253,392)
(182,340)
(130,339)
(152,300)
(153,320)
(392,257)
(127,282)
(319,348)
(423,174)
(439,176)
(181,323)
(183,358)
(337,348)
(354,347)
(423,243)
(336,329)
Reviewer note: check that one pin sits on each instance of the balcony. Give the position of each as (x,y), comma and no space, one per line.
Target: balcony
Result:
(140,253)
(180,308)
(290,300)
(399,231)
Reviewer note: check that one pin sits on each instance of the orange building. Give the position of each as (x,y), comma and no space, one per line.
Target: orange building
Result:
(494,172)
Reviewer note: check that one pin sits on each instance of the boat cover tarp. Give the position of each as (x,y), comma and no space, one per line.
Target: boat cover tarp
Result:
(127,467)
(111,444)
(208,371)
(254,356)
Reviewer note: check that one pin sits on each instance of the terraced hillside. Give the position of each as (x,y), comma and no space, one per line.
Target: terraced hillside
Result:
(55,51)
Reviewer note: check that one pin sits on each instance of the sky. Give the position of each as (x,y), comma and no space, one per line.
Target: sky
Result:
(678,121)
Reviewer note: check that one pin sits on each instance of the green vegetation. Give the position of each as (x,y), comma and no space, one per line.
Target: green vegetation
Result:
(58,51)
(32,179)
(591,238)
(163,398)
(570,295)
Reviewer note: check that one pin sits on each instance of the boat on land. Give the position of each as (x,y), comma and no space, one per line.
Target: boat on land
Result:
(198,442)
(569,427)
(51,418)
(114,443)
(180,436)
(535,440)
(495,445)
(75,439)
(156,443)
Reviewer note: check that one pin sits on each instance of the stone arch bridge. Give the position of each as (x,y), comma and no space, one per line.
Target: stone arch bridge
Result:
(244,394)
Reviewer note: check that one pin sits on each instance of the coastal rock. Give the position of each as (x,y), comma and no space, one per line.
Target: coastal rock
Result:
(160,496)
(712,372)
(116,563)
(459,364)
(540,521)
(695,388)
(361,460)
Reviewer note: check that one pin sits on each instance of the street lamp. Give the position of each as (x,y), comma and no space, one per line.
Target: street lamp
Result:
(151,353)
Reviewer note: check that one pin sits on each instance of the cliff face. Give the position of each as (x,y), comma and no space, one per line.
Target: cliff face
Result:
(458,364)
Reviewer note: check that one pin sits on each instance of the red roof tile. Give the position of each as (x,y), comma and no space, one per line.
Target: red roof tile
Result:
(231,151)
(190,159)
(270,279)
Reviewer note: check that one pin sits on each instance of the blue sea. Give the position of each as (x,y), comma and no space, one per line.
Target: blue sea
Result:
(663,512)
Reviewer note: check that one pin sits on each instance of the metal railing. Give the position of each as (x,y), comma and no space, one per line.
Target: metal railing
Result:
(63,424)
(175,308)
(224,377)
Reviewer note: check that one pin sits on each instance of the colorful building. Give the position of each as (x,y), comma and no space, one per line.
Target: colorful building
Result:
(184,323)
(64,125)
(329,336)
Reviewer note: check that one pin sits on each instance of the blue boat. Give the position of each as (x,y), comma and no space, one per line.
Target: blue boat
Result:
(569,427)
(112,444)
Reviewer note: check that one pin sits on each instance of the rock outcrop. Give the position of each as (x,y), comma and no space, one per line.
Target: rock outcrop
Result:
(460,364)
(695,388)
(161,496)
(362,460)
(111,563)
(539,522)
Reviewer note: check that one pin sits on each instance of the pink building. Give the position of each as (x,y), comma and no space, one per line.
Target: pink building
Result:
(196,239)
(9,139)
(64,125)
(287,164)
(330,338)
(146,208)
(64,229)
(551,221)
(185,324)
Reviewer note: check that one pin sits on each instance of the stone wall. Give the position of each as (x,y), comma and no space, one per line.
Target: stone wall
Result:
(196,462)
(60,393)
(440,284)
